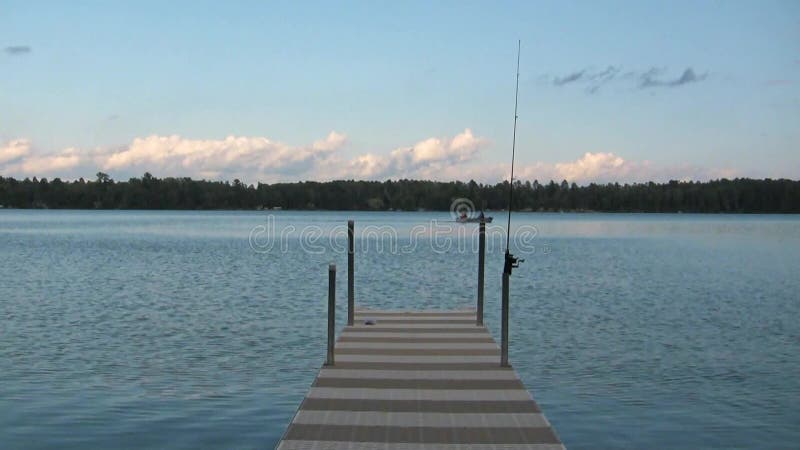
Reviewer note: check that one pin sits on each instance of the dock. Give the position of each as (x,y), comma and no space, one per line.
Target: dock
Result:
(404,380)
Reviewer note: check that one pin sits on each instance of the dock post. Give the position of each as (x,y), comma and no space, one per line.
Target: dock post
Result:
(481,265)
(504,331)
(331,312)
(351,301)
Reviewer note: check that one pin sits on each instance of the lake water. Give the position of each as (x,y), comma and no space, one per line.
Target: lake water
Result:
(173,330)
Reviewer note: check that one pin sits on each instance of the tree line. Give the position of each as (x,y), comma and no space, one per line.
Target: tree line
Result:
(741,195)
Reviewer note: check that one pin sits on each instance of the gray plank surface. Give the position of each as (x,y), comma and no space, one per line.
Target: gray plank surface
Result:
(418,380)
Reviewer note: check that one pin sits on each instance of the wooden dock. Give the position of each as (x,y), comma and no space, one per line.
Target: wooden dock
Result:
(418,380)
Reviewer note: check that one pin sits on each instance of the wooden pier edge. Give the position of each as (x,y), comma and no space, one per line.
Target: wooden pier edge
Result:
(418,380)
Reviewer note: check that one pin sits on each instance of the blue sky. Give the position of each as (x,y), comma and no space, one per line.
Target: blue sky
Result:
(609,91)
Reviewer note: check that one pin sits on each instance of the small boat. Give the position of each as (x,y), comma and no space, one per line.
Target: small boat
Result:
(487,219)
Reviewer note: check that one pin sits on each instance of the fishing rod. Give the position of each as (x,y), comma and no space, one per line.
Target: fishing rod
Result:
(510,261)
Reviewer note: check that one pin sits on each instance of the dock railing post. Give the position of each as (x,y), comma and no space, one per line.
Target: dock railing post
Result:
(351,300)
(481,265)
(331,312)
(504,329)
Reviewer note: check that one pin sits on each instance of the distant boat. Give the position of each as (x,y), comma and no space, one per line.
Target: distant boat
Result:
(487,219)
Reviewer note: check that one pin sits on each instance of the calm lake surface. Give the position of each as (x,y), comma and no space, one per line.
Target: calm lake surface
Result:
(173,330)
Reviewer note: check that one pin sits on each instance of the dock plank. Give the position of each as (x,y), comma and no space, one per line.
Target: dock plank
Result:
(418,380)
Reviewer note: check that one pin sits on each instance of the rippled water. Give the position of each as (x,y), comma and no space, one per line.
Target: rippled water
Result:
(199,330)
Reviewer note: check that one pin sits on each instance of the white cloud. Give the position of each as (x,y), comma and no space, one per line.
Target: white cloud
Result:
(602,167)
(365,166)
(36,165)
(594,166)
(591,167)
(425,159)
(52,164)
(253,159)
(334,141)
(236,156)
(14,149)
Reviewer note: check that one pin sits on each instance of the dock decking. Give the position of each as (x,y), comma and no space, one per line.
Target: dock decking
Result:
(418,380)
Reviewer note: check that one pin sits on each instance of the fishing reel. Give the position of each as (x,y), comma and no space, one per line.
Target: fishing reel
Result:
(512,262)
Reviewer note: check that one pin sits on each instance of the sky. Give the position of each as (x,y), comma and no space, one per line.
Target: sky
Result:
(609,91)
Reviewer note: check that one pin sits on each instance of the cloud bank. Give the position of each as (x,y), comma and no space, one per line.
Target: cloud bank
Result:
(16,157)
(253,159)
(425,159)
(241,156)
(14,149)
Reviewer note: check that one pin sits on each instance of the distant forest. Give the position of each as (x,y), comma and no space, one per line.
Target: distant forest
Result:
(740,195)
